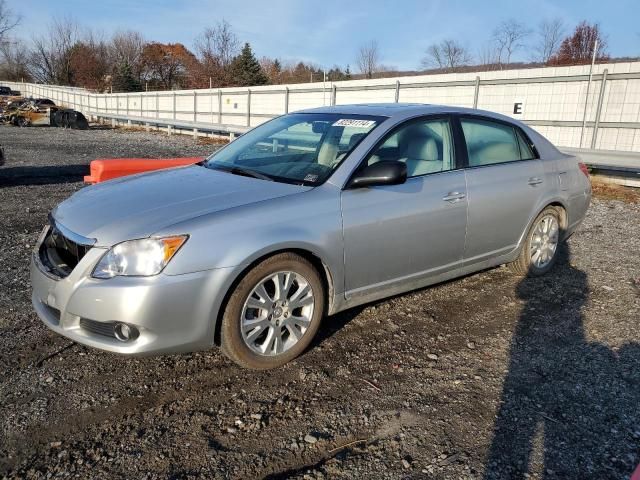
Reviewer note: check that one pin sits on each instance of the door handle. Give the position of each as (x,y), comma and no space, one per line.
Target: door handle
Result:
(453,197)
(533,181)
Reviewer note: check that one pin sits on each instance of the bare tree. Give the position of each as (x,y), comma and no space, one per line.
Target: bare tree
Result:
(488,56)
(509,38)
(13,61)
(447,54)
(8,20)
(368,59)
(125,48)
(50,59)
(216,48)
(550,35)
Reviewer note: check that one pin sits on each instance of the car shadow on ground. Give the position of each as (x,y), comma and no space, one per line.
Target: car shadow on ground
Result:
(569,406)
(42,175)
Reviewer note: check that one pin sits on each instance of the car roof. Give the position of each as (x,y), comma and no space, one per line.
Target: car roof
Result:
(403,110)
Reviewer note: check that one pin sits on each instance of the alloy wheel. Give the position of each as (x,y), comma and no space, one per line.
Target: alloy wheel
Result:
(544,241)
(277,313)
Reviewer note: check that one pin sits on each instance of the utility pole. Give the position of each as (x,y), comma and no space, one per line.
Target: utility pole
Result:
(324,83)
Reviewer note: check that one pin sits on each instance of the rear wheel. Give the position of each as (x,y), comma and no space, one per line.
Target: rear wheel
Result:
(540,249)
(273,313)
(23,122)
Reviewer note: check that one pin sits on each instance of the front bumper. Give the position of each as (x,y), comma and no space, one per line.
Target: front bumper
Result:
(173,313)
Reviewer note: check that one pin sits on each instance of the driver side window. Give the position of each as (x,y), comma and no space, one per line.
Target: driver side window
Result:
(424,145)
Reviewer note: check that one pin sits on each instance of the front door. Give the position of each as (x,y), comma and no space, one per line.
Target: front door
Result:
(395,236)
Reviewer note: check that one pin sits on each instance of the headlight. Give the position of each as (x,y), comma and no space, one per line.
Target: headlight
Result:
(138,258)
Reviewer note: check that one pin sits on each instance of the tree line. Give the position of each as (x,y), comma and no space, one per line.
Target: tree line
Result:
(548,44)
(66,54)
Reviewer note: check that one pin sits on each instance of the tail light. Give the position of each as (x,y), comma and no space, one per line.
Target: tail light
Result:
(583,168)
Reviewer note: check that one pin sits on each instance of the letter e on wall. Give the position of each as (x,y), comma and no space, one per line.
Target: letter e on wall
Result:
(518,108)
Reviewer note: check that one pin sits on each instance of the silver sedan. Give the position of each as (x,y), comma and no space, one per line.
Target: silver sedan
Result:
(302,217)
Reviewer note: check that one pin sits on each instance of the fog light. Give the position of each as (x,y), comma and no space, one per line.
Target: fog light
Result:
(124,332)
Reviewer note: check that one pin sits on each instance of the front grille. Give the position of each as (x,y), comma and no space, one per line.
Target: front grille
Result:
(99,328)
(59,253)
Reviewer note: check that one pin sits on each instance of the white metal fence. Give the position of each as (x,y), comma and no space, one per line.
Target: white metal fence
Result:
(552,100)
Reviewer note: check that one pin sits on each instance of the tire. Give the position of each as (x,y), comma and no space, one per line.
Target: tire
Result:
(243,348)
(23,122)
(527,263)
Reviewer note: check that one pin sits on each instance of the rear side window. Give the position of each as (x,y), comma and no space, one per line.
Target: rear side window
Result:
(490,142)
(526,152)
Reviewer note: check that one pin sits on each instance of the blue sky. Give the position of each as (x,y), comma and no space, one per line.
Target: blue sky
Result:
(329,32)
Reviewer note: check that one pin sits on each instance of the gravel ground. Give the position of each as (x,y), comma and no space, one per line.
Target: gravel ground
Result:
(489,376)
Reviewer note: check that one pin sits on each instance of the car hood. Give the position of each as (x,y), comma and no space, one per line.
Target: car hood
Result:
(140,205)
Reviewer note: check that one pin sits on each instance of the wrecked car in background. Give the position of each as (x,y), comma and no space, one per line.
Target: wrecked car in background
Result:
(42,111)
(7,92)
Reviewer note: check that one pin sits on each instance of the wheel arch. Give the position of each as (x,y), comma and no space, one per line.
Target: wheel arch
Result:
(318,263)
(559,206)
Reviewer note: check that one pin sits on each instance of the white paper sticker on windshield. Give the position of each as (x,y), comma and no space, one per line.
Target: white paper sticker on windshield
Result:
(351,122)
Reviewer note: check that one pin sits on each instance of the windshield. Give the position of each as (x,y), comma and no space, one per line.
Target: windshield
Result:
(302,148)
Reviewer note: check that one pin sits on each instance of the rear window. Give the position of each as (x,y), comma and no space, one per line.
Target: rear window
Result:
(491,142)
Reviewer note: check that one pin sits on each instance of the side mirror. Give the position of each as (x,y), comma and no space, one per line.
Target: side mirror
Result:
(379,173)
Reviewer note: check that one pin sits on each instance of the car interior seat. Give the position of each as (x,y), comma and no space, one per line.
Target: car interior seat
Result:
(493,152)
(422,156)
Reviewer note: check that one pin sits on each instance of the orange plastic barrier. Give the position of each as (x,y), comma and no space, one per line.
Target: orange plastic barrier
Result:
(108,168)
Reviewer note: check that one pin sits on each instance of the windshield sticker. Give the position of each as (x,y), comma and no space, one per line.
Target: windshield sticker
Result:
(311,177)
(351,122)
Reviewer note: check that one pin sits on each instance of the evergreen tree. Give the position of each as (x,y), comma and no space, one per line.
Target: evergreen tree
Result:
(246,69)
(124,80)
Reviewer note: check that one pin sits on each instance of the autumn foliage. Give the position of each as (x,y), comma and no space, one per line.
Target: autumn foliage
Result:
(577,49)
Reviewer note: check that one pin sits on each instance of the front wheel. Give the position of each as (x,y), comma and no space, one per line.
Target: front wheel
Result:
(540,250)
(273,313)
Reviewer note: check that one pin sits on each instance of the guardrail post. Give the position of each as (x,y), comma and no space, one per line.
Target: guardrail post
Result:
(397,95)
(334,91)
(219,107)
(286,99)
(476,93)
(195,106)
(248,107)
(603,85)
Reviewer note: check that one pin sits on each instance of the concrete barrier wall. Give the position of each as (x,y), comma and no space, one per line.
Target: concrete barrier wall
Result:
(552,100)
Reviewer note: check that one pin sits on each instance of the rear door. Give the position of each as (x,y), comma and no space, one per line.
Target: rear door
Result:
(397,235)
(505,185)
